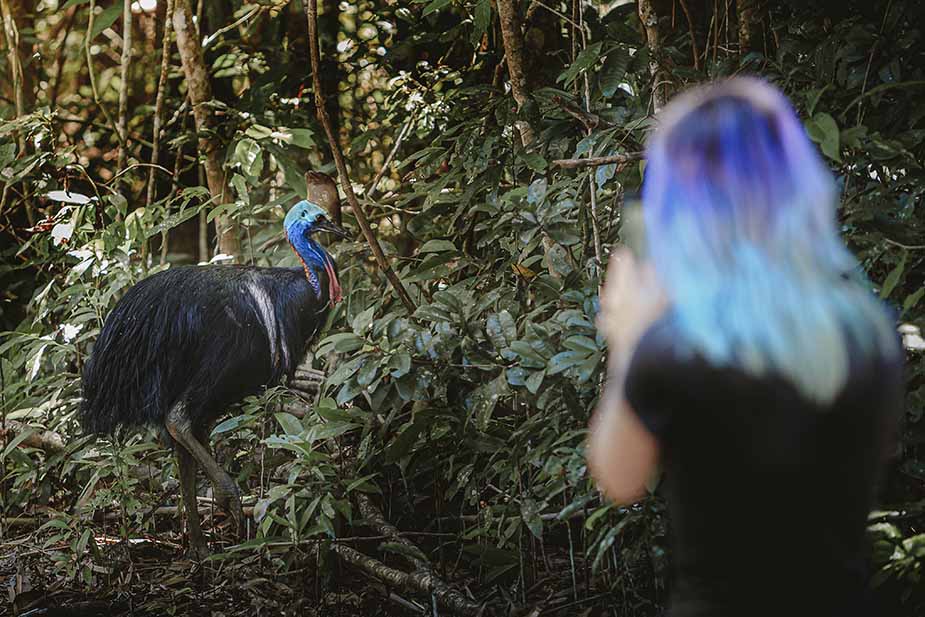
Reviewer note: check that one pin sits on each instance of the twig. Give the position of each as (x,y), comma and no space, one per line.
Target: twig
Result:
(126,62)
(209,40)
(159,101)
(311,14)
(589,120)
(690,26)
(596,161)
(388,159)
(59,56)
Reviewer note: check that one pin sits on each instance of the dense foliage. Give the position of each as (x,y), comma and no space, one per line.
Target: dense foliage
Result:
(464,419)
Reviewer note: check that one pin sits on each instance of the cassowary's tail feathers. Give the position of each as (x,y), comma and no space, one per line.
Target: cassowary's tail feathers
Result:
(123,380)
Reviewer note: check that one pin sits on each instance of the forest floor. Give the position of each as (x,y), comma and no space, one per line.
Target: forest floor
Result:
(154,576)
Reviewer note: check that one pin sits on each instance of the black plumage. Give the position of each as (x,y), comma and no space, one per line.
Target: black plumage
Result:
(212,335)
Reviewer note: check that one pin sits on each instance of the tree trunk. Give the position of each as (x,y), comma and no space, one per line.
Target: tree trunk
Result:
(200,93)
(513,39)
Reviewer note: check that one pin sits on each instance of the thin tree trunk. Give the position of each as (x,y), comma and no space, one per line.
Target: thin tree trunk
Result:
(11,32)
(200,94)
(649,19)
(746,11)
(126,63)
(159,104)
(513,38)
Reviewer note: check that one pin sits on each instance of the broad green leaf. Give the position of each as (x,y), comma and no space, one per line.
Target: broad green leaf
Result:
(893,277)
(435,6)
(289,423)
(534,381)
(481,21)
(302,138)
(614,70)
(585,60)
(105,19)
(437,246)
(823,130)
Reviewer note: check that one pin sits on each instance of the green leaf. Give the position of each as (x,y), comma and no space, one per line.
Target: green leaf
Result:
(585,60)
(565,360)
(437,246)
(7,153)
(533,160)
(71,3)
(823,130)
(435,6)
(229,425)
(302,138)
(289,423)
(534,381)
(529,514)
(614,70)
(536,193)
(913,299)
(893,277)
(482,21)
(530,356)
(248,154)
(401,445)
(399,364)
(105,19)
(581,343)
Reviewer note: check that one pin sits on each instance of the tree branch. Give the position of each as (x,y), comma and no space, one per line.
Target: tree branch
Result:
(420,582)
(311,15)
(596,161)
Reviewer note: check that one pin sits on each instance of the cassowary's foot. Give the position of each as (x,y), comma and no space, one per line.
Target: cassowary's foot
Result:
(227,497)
(198,549)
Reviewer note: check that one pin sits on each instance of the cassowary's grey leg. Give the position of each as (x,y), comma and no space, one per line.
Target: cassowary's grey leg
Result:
(223,487)
(187,467)
(307,379)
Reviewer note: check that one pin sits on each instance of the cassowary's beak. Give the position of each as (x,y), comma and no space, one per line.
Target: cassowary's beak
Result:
(326,225)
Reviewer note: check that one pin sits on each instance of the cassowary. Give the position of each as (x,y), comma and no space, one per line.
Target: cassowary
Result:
(184,344)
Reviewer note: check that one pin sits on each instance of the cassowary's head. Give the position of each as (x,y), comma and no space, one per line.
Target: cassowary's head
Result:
(305,218)
(302,220)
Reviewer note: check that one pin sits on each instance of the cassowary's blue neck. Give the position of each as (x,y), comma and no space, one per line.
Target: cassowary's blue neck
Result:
(314,259)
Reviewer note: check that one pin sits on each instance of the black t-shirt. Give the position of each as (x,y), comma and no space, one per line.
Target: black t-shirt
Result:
(768,493)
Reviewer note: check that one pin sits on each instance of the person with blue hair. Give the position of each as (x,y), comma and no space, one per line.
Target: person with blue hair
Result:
(750,362)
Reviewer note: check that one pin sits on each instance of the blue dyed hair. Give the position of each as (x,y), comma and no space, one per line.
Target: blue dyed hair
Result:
(740,223)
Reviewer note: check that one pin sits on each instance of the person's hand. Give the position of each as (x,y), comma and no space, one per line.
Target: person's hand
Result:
(632,299)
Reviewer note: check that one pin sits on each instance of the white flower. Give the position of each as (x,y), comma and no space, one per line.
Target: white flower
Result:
(70,331)
(912,337)
(61,233)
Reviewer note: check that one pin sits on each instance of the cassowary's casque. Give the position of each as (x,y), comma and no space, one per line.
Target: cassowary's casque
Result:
(184,344)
